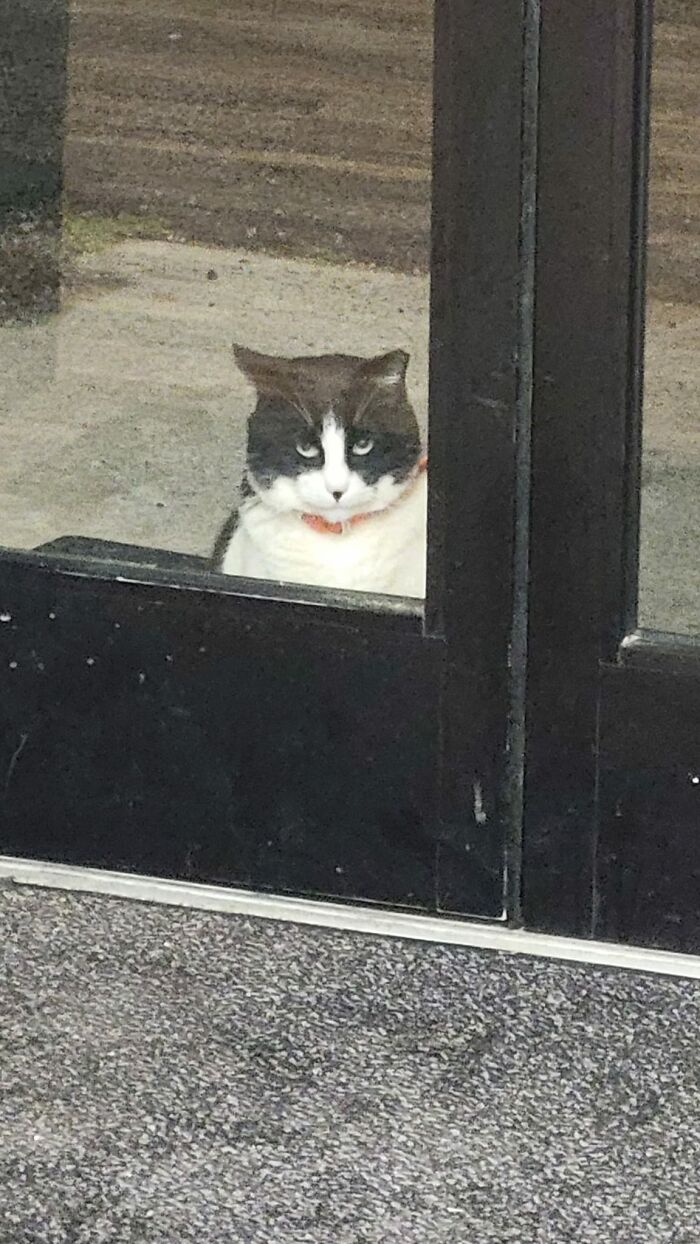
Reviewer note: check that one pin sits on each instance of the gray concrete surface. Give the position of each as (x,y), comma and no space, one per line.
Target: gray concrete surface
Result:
(124,417)
(669,582)
(172,1077)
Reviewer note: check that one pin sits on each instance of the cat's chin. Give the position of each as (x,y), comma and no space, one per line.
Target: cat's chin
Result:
(338,513)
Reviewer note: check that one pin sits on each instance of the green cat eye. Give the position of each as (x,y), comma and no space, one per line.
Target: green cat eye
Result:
(308,451)
(363,446)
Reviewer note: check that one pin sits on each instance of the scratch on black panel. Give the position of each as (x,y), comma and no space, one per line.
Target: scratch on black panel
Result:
(13,761)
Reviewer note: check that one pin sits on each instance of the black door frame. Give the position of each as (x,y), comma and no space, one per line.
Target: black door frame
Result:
(613,712)
(113,706)
(532,721)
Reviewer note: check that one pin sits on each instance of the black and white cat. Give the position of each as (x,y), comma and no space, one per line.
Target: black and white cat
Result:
(335,487)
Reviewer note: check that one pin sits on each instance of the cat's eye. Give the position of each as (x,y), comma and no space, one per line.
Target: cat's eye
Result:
(363,446)
(308,450)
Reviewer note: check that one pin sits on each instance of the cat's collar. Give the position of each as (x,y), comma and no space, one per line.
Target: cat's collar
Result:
(318,523)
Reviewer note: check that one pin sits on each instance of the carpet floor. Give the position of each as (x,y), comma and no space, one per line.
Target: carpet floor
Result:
(171,1076)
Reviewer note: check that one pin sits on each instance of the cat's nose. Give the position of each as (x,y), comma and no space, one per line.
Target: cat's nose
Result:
(339,495)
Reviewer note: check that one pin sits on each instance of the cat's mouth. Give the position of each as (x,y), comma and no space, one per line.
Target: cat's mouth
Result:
(284,494)
(339,515)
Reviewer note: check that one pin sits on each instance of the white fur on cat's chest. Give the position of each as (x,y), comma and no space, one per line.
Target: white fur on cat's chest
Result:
(383,553)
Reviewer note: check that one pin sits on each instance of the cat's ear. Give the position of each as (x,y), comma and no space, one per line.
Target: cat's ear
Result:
(387,370)
(269,375)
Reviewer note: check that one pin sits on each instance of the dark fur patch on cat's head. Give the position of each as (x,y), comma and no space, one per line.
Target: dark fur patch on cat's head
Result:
(367,396)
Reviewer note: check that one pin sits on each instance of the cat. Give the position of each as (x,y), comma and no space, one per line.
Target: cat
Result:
(335,485)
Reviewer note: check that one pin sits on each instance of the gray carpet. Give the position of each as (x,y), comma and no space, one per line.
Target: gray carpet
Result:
(170,1076)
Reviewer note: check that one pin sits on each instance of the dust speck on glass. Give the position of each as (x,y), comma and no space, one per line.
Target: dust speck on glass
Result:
(214,271)
(669,564)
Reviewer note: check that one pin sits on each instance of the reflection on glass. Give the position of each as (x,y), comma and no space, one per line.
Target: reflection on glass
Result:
(188,176)
(670,533)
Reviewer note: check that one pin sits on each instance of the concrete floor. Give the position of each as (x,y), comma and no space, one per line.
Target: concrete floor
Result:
(124,416)
(669,580)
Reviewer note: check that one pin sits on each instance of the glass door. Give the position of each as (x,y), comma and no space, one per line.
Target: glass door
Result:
(613,764)
(265,348)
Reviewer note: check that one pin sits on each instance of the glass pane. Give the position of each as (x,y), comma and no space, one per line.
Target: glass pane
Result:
(670,532)
(179,177)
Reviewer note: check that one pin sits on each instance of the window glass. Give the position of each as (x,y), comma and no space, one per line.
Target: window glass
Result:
(670,531)
(180,177)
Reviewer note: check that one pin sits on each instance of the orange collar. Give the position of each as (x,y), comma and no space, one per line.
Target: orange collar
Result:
(318,523)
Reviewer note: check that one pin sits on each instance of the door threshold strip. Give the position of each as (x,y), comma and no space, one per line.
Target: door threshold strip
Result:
(378,922)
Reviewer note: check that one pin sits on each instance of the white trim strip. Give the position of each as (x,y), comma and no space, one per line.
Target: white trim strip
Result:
(355,919)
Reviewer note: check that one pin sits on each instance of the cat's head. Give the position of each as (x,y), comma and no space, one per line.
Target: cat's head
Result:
(333,435)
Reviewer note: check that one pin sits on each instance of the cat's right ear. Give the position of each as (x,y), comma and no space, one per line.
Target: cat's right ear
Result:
(253,365)
(270,376)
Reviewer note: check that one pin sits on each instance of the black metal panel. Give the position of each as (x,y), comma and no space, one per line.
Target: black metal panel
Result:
(476,366)
(649,854)
(584,316)
(651,718)
(218,738)
(661,652)
(112,559)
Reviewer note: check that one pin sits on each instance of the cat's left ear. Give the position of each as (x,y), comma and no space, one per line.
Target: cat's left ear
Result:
(387,370)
